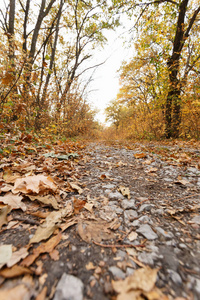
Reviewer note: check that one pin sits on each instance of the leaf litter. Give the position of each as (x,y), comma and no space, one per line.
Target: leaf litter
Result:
(52,194)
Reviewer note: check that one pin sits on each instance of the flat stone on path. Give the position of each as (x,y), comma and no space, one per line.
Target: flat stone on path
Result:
(69,288)
(125,204)
(130,215)
(147,232)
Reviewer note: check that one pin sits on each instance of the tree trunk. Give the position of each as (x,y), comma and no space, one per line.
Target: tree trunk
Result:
(173,101)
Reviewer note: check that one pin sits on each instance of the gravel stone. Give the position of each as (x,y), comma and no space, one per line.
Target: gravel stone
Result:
(176,278)
(164,233)
(126,204)
(147,232)
(117,272)
(69,288)
(130,215)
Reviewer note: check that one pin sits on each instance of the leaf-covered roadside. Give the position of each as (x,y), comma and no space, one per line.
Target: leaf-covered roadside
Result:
(42,196)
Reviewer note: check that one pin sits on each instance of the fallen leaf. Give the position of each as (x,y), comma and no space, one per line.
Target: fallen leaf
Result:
(6,188)
(68,224)
(182,181)
(54,255)
(14,271)
(140,155)
(5,254)
(17,256)
(43,248)
(78,205)
(89,207)
(124,191)
(47,228)
(115,224)
(34,184)
(121,164)
(75,187)
(40,214)
(142,280)
(90,266)
(94,230)
(47,199)
(14,201)
(19,292)
(132,236)
(9,176)
(3,215)
(43,278)
(152,170)
(42,294)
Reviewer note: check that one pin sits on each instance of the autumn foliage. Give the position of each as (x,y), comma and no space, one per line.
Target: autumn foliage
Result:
(45,52)
(160,86)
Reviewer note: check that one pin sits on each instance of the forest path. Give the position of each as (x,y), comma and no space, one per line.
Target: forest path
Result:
(136,206)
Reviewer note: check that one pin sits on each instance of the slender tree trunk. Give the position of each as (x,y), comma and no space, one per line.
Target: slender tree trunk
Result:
(173,101)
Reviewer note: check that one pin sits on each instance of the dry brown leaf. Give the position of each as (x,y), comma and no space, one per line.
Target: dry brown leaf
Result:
(90,266)
(54,255)
(14,201)
(6,188)
(47,199)
(9,176)
(5,254)
(40,214)
(3,214)
(42,294)
(132,236)
(182,181)
(75,187)
(115,224)
(19,292)
(14,271)
(89,207)
(43,248)
(94,230)
(124,191)
(34,184)
(152,170)
(68,224)
(140,155)
(142,281)
(50,224)
(78,205)
(121,164)
(17,256)
(155,294)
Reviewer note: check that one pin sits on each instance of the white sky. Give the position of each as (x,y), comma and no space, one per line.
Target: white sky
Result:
(106,78)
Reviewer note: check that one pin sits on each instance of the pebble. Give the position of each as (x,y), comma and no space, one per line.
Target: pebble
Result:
(129,271)
(182,246)
(164,233)
(69,288)
(108,186)
(159,211)
(117,272)
(146,207)
(175,277)
(147,258)
(195,220)
(115,195)
(129,215)
(145,219)
(125,204)
(107,214)
(147,232)
(115,208)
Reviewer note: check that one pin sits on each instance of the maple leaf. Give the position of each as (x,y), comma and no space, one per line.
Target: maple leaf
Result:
(34,184)
(14,201)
